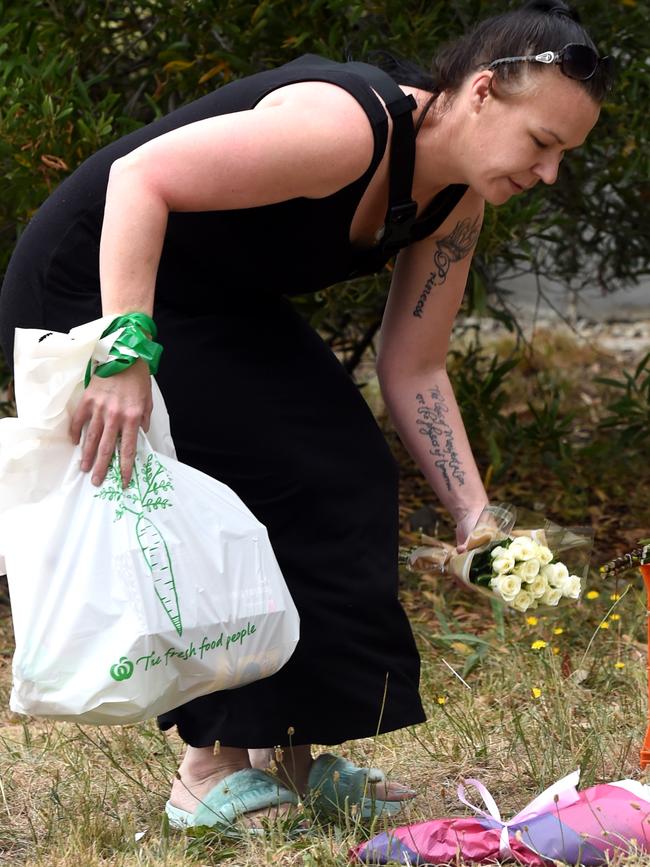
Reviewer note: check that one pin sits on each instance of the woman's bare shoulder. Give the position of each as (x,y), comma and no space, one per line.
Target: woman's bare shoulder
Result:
(322,97)
(329,114)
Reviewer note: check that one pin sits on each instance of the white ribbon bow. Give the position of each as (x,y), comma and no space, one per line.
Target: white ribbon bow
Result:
(560,794)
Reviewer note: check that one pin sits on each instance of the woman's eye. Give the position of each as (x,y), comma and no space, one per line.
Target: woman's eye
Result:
(540,144)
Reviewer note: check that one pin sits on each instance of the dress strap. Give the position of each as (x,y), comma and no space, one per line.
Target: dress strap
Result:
(402,209)
(401,226)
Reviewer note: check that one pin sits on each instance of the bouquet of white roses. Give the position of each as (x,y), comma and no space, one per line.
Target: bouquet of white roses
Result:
(523,572)
(523,560)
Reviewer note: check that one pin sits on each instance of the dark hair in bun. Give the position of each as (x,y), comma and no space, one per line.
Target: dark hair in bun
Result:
(550,6)
(539,25)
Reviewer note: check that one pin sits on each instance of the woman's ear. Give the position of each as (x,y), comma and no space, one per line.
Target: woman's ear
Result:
(481,89)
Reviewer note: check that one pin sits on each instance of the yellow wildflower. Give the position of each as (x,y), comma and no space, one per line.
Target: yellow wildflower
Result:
(535,691)
(558,630)
(615,617)
(556,650)
(532,621)
(442,699)
(619,665)
(593,594)
(539,644)
(615,597)
(603,625)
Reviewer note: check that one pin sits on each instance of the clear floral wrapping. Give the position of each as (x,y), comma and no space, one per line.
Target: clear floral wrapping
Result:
(516,556)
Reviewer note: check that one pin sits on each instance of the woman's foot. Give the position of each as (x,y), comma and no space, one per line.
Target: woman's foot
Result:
(202,769)
(293,765)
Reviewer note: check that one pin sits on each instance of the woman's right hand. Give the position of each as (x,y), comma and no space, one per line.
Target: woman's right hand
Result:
(113,409)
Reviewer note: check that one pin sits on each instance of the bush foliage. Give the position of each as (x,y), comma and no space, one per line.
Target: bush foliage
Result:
(73,76)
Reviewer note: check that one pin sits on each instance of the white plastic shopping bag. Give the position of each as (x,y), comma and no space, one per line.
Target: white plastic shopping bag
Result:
(126,602)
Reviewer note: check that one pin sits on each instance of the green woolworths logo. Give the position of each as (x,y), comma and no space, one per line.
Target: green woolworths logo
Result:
(224,642)
(122,670)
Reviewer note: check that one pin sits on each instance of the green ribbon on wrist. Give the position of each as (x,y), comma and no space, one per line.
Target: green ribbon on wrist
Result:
(134,342)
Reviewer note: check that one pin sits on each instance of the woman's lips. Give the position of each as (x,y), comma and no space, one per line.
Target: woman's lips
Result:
(518,188)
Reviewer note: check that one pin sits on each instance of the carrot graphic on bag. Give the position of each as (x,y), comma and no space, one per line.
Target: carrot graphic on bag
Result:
(143,494)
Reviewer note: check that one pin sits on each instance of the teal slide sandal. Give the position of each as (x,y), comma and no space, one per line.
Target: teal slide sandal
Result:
(239,793)
(335,785)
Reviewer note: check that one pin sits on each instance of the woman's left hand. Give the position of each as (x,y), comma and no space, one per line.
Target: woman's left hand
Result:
(466,524)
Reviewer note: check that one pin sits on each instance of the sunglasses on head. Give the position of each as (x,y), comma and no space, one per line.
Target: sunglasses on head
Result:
(576,60)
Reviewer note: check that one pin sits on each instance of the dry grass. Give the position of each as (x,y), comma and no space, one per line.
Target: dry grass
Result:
(78,796)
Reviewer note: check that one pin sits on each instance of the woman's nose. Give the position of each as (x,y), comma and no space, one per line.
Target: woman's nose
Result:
(547,170)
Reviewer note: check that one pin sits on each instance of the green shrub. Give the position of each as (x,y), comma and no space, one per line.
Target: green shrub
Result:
(75,76)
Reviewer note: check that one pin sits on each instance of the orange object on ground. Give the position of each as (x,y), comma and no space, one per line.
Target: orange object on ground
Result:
(645,749)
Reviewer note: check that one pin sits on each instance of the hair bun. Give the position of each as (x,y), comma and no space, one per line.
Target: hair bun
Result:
(553,7)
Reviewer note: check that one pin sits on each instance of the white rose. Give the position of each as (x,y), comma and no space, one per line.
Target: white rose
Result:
(507,586)
(548,572)
(523,600)
(551,597)
(523,548)
(527,570)
(572,587)
(538,587)
(497,550)
(502,560)
(544,554)
(556,574)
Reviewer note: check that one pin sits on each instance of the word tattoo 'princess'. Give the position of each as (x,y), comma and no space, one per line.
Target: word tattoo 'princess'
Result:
(452,248)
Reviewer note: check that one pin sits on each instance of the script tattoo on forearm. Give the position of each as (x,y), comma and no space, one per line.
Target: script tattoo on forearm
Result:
(432,424)
(451,249)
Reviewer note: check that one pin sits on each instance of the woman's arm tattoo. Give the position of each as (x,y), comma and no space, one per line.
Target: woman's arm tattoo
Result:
(433,425)
(451,249)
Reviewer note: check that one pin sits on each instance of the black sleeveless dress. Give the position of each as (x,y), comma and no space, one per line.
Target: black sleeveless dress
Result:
(258,401)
